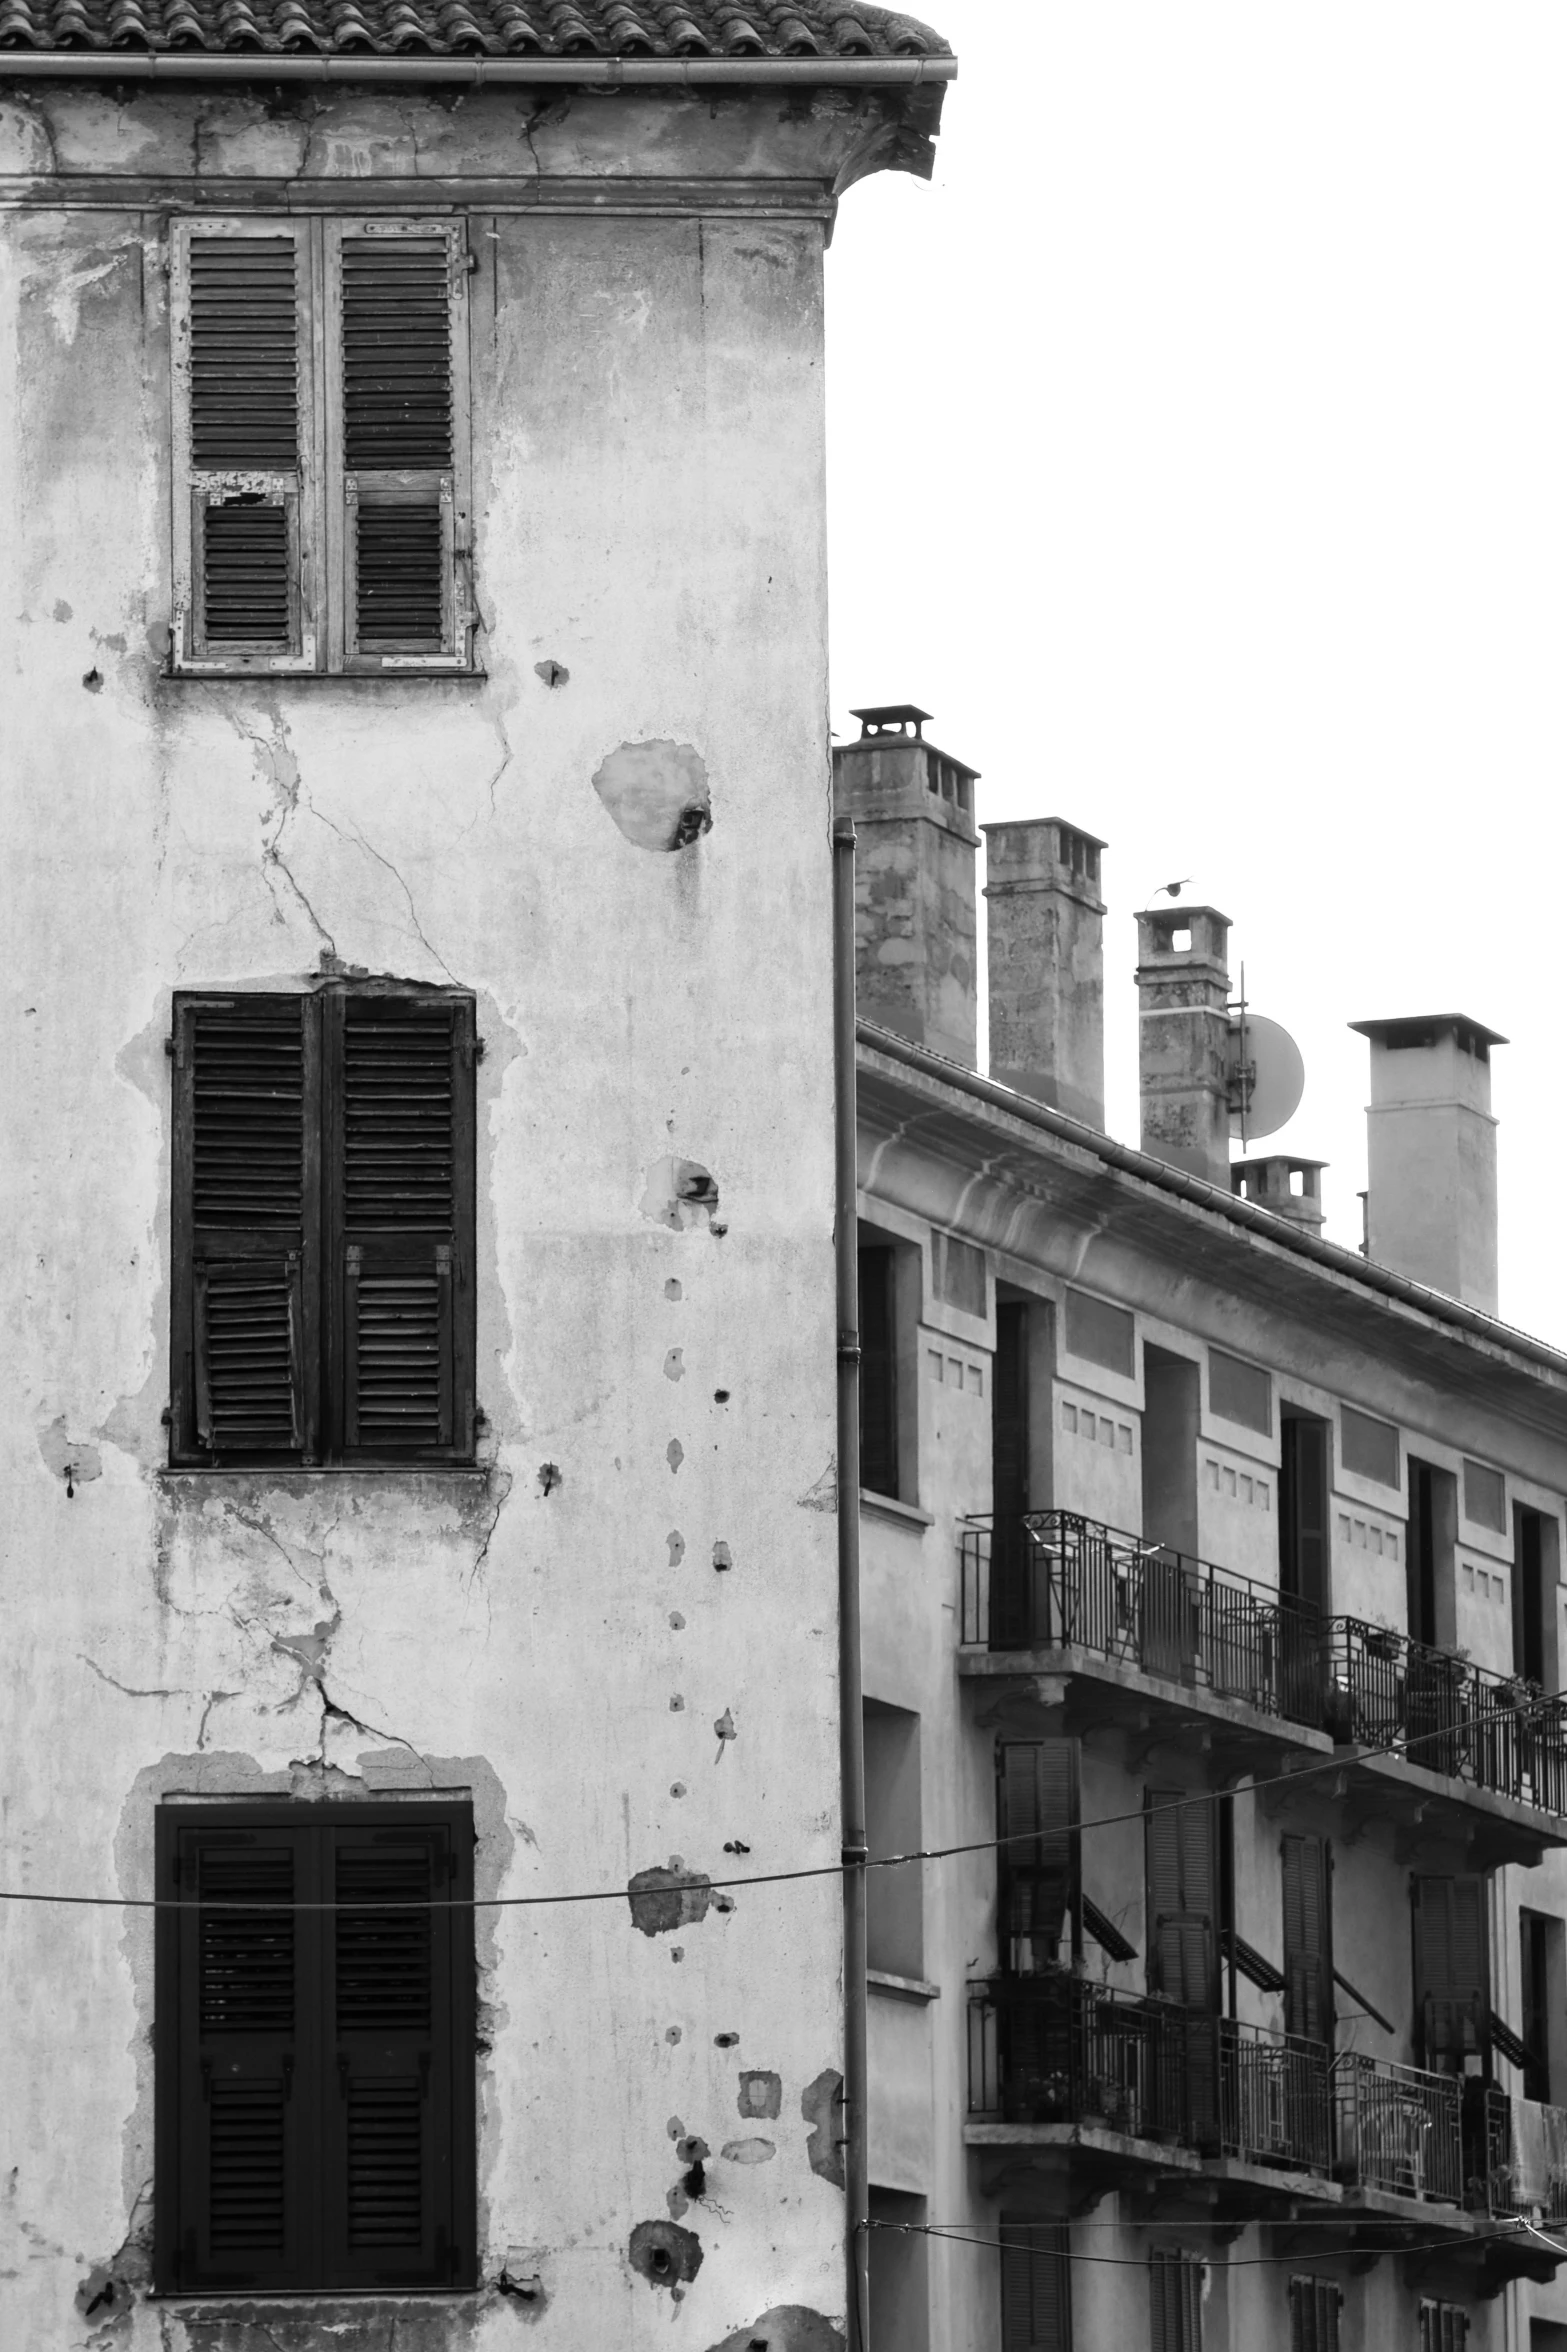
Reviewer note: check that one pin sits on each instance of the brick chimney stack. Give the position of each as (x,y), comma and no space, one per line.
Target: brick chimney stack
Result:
(1183,990)
(1431,1206)
(914,917)
(1045,921)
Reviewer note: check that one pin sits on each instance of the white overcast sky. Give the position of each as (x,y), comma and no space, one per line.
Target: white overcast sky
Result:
(1198,449)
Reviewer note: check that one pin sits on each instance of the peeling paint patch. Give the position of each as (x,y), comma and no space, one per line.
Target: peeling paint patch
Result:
(657,793)
(664,1899)
(665,2254)
(674,1454)
(678,1193)
(677,1547)
(787,2327)
(761,2093)
(823,1496)
(674,1364)
(748,2151)
(724,1725)
(70,1458)
(821,2104)
(549,1478)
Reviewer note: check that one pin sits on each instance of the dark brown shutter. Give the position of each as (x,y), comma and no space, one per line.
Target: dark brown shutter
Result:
(398,298)
(388,2122)
(401,1181)
(1303,1511)
(240,2212)
(1181,1885)
(245,1228)
(1452,1975)
(878,1370)
(1175,2302)
(1314,2306)
(1036,2285)
(1308,1945)
(243,299)
(1036,1817)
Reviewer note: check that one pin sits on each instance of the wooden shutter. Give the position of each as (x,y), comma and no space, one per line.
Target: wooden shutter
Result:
(1036,1816)
(1036,2285)
(398,441)
(1444,2327)
(246,1232)
(244,445)
(1175,2302)
(1452,1974)
(400,1189)
(1314,2306)
(1181,1889)
(878,1370)
(235,2056)
(1307,1869)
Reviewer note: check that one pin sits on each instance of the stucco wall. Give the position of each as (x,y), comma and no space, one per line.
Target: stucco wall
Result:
(548,1631)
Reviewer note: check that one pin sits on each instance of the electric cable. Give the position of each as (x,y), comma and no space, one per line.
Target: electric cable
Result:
(1508,2231)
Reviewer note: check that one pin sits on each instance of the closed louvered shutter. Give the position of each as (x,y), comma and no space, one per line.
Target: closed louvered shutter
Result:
(1036,1816)
(1036,2285)
(315,2109)
(389,2126)
(244,443)
(1181,1891)
(234,2111)
(246,1234)
(397,439)
(1444,2327)
(1314,2306)
(1452,1973)
(400,1163)
(1175,2302)
(1308,1950)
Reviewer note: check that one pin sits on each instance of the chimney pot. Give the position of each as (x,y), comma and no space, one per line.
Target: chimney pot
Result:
(1431,1149)
(1183,991)
(1290,1187)
(1045,922)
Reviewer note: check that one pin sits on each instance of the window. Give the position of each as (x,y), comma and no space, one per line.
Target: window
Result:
(315,2121)
(1314,2308)
(1444,2327)
(1038,1857)
(1175,2284)
(1239,1392)
(321,502)
(894,1898)
(1306,1873)
(322,1278)
(1451,1974)
(879,1383)
(1036,2285)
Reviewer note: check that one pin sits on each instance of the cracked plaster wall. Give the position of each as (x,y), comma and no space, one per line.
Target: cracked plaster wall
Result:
(648,479)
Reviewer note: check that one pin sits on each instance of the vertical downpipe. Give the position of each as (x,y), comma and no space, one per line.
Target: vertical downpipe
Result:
(856,2147)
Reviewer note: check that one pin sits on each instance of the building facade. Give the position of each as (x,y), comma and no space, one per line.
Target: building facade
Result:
(420,1333)
(1212,1597)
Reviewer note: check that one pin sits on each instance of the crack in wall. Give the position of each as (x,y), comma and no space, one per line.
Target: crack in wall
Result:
(482,1555)
(357,838)
(128,1688)
(278,765)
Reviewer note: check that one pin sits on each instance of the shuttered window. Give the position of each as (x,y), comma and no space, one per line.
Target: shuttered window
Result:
(315,2118)
(1175,2302)
(1306,1870)
(321,445)
(1452,1973)
(1444,2327)
(1036,2285)
(323,1228)
(1037,1860)
(1181,1860)
(1314,2305)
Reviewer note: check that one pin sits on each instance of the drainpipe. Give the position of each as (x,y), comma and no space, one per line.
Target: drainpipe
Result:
(856,2137)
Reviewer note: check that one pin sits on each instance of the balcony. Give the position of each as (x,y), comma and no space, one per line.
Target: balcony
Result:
(1397,2129)
(1158,1638)
(1517,2159)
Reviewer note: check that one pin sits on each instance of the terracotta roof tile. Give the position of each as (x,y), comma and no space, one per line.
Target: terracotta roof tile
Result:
(497,28)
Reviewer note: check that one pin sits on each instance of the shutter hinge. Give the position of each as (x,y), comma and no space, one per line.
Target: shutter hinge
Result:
(472,1050)
(170,1048)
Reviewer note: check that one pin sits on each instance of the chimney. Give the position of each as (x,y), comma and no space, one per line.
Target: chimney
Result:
(1183,992)
(1047,985)
(1290,1188)
(1431,1206)
(914,912)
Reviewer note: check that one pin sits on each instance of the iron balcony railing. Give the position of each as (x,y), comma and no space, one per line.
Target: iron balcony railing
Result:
(1277,2107)
(1500,1733)
(1058,1580)
(1516,2158)
(1397,2128)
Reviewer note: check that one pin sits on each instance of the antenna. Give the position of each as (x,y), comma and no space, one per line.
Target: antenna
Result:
(1264,1074)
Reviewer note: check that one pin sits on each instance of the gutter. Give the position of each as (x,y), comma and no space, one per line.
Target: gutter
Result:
(588,73)
(851,1728)
(1241,1212)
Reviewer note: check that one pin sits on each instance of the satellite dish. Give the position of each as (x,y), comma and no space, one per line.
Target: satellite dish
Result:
(1265,1075)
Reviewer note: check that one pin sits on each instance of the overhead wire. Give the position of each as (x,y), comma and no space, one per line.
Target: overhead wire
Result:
(1509,2231)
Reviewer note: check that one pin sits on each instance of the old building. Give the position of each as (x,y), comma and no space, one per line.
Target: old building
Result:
(1212,1581)
(419,1343)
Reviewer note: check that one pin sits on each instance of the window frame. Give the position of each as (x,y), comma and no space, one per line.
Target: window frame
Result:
(324,1295)
(177,2036)
(320,494)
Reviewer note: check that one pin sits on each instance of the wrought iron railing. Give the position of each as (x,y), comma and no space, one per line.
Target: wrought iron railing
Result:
(1397,2128)
(1277,2107)
(1500,1733)
(1516,2158)
(1058,1580)
(1056,2049)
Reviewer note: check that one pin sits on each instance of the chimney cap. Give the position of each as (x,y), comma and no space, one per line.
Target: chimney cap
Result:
(891,718)
(1063,824)
(1418,1029)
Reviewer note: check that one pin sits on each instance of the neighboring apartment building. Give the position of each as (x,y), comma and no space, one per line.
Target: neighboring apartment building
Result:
(420,1337)
(1215,1572)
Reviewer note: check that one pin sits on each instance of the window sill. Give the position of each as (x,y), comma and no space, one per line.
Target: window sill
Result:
(901,1988)
(888,1507)
(277,1472)
(220,671)
(281,2306)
